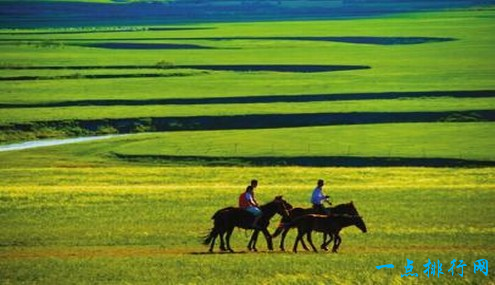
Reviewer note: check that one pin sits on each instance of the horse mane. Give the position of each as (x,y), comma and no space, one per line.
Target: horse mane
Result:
(345,205)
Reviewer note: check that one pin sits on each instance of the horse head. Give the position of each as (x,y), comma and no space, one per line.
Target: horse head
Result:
(359,219)
(347,208)
(360,224)
(283,206)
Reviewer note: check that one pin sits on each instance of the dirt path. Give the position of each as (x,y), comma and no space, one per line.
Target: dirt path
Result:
(137,251)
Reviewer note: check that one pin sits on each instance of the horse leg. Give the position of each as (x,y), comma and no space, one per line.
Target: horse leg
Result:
(253,240)
(298,238)
(268,238)
(282,239)
(336,243)
(340,242)
(306,248)
(227,238)
(222,242)
(326,243)
(308,237)
(214,237)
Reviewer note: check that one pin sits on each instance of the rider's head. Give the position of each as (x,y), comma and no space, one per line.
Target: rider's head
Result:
(320,182)
(249,189)
(254,183)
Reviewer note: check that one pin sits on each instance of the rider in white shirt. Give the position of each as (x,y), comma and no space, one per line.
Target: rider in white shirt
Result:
(318,197)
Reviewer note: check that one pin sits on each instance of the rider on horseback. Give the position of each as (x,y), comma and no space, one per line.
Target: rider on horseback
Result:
(317,198)
(249,203)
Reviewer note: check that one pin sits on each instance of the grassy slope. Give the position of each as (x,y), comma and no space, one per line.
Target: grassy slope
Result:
(86,113)
(420,140)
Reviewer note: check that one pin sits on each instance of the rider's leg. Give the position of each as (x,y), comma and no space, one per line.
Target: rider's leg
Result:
(255,222)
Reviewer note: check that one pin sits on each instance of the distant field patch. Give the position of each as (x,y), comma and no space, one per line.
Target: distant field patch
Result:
(144,46)
(102,30)
(313,161)
(276,67)
(387,41)
(306,68)
(361,144)
(95,76)
(261,99)
(383,41)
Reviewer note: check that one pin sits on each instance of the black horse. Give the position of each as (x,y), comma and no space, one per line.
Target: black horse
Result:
(330,224)
(254,237)
(347,208)
(225,220)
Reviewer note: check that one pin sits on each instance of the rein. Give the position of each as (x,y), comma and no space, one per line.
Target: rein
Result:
(345,216)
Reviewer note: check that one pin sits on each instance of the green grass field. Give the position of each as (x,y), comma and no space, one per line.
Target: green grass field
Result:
(464,63)
(142,224)
(120,211)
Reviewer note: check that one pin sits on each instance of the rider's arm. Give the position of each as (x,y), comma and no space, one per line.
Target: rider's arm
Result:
(250,199)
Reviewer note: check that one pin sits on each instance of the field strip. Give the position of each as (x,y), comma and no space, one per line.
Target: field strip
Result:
(370,40)
(261,121)
(136,251)
(104,188)
(259,99)
(93,30)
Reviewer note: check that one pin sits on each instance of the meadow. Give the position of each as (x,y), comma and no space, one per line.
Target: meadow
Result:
(210,106)
(144,224)
(453,47)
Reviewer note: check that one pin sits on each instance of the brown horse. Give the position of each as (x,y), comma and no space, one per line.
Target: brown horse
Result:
(347,208)
(225,220)
(329,224)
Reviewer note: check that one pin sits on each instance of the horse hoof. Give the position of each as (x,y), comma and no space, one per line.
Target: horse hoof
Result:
(324,248)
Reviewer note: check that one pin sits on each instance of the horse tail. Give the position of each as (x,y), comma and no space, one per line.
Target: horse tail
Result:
(207,239)
(217,218)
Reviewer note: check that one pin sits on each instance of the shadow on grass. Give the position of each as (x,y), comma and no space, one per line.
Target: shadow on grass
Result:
(256,121)
(315,161)
(95,76)
(217,252)
(351,40)
(263,99)
(237,67)
(144,46)
(387,41)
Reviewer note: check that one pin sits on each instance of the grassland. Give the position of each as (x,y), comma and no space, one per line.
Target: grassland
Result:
(121,211)
(420,140)
(142,224)
(464,62)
